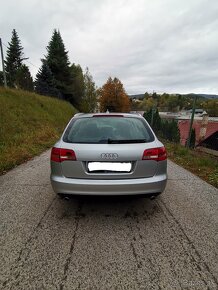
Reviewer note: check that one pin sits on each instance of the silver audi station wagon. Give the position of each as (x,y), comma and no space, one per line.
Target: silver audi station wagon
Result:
(108,154)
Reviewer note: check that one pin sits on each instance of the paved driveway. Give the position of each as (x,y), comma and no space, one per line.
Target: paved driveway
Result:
(107,243)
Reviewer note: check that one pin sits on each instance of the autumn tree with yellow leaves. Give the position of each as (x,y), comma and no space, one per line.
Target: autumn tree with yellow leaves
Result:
(113,97)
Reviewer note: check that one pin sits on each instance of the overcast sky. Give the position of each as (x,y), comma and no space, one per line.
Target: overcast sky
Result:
(160,45)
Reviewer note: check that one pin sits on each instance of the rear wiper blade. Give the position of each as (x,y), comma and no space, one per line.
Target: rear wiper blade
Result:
(123,141)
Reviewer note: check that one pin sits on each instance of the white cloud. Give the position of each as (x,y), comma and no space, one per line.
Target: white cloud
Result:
(162,45)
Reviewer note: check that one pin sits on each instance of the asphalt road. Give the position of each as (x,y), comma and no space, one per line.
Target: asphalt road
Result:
(107,243)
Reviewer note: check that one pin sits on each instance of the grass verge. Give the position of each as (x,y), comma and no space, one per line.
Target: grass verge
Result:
(201,164)
(29,124)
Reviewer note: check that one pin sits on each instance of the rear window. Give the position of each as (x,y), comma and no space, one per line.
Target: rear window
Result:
(108,130)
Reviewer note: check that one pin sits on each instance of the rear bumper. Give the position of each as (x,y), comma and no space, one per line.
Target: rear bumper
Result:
(155,184)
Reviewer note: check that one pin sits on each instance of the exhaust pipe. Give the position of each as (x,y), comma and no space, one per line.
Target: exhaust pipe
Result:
(63,196)
(66,198)
(152,197)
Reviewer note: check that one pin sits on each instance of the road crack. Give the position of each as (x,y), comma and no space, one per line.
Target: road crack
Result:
(134,222)
(191,244)
(22,257)
(78,216)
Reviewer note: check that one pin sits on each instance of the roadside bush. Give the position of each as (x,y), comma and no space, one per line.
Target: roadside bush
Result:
(164,128)
(170,131)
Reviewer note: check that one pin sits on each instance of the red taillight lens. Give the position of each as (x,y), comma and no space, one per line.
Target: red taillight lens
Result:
(158,154)
(162,154)
(55,154)
(67,154)
(60,155)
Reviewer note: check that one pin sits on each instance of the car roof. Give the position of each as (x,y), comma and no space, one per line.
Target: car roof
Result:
(107,114)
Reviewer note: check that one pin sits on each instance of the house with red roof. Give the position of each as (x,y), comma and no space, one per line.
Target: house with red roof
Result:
(202,131)
(204,125)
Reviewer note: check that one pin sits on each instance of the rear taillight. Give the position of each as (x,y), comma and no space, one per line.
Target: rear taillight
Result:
(157,154)
(60,154)
(55,154)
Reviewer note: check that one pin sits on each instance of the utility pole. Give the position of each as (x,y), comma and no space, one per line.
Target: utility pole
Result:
(152,116)
(153,111)
(191,122)
(3,64)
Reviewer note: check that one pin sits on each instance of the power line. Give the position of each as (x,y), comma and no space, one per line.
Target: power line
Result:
(32,64)
(4,44)
(24,58)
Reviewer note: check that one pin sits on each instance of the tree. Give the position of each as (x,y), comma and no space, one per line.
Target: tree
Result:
(89,100)
(211,107)
(148,116)
(147,104)
(155,96)
(1,78)
(175,134)
(163,102)
(23,78)
(58,62)
(45,83)
(14,58)
(77,85)
(170,131)
(156,121)
(193,138)
(173,103)
(113,97)
(146,95)
(156,126)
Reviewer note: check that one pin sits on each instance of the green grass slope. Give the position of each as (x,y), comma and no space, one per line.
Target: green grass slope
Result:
(29,124)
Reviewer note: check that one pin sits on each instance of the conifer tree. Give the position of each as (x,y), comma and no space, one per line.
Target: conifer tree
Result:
(175,131)
(58,62)
(14,58)
(148,116)
(193,137)
(45,83)
(170,130)
(24,79)
(156,126)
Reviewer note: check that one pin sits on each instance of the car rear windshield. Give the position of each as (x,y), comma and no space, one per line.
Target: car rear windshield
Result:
(112,130)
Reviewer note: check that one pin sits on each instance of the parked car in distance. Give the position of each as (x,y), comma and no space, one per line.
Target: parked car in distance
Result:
(108,154)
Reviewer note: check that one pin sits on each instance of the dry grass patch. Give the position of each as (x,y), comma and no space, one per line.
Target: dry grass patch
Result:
(202,164)
(29,124)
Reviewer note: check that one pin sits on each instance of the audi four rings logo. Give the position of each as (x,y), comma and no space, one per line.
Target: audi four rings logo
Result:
(109,155)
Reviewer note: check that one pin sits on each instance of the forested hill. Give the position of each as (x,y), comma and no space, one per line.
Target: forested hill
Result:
(206,96)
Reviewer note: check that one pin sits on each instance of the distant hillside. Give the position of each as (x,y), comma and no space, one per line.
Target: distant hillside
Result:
(206,96)
(30,123)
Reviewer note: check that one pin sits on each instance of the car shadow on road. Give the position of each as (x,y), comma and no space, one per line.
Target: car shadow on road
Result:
(107,206)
